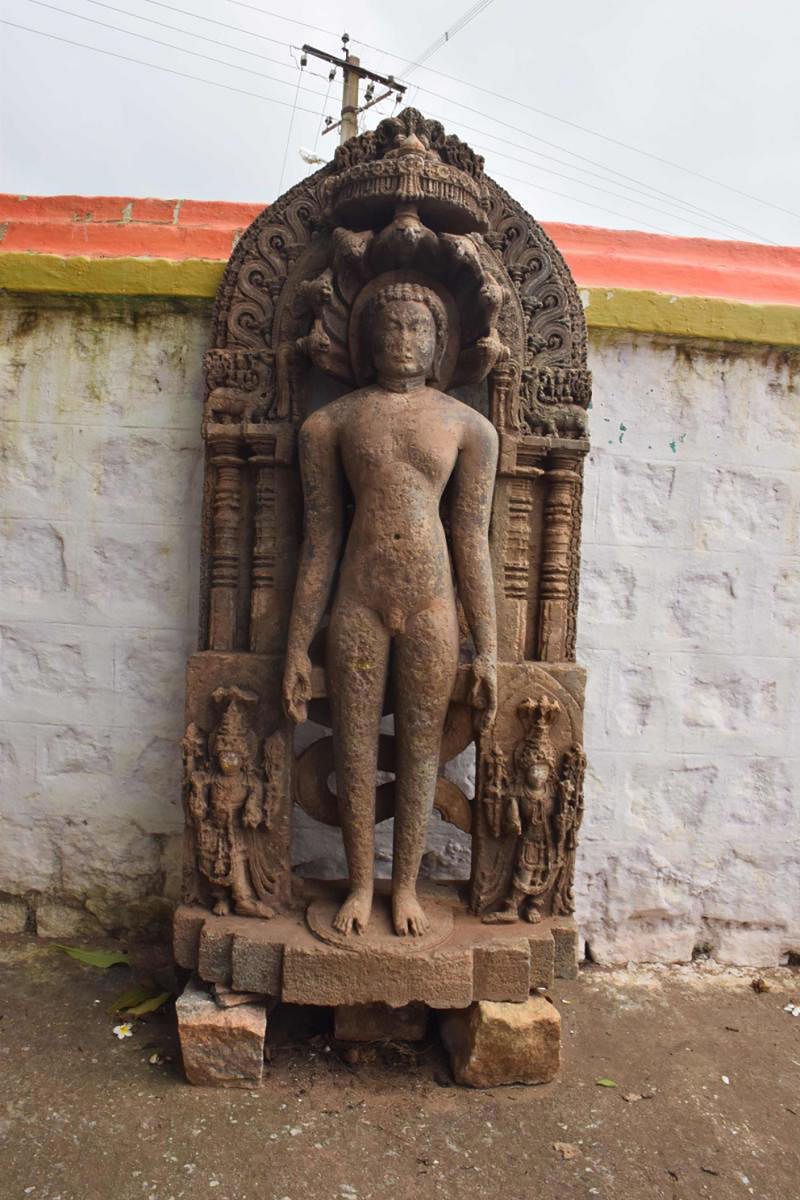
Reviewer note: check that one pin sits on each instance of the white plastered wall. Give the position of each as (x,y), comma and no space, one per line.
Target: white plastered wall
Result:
(689,622)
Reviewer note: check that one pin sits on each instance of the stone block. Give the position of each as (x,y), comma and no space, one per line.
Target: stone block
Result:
(491,1044)
(380,1023)
(56,919)
(321,974)
(214,951)
(256,963)
(221,1047)
(502,970)
(187,925)
(542,956)
(566,949)
(13,915)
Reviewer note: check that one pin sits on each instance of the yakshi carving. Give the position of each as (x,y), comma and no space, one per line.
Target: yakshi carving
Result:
(542,807)
(225,803)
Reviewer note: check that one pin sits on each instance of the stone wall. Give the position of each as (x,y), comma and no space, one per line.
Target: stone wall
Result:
(689,626)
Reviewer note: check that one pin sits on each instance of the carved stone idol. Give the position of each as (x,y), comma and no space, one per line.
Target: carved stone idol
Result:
(225,805)
(395,444)
(395,412)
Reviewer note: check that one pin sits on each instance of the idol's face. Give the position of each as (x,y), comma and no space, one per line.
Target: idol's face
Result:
(404,340)
(229,762)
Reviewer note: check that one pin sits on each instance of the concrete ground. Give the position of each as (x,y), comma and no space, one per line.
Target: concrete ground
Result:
(710,1069)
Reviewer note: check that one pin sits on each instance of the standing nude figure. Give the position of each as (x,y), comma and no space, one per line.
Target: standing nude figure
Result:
(396,443)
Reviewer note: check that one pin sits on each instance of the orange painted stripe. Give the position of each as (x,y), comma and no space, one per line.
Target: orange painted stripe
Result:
(178,230)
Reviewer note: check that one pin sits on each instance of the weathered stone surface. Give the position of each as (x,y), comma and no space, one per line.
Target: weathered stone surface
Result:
(187,925)
(324,975)
(542,953)
(221,1047)
(566,947)
(257,963)
(502,970)
(214,951)
(13,915)
(491,1044)
(56,919)
(379,1023)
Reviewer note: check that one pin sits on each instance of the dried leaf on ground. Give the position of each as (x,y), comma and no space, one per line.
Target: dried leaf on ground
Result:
(151,1004)
(758,985)
(130,997)
(566,1149)
(632,1097)
(95,958)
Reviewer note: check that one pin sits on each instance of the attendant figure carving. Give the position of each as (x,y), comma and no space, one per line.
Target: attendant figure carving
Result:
(394,446)
(225,801)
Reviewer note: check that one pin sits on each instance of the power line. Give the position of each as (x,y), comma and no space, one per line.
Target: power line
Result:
(582,128)
(292,20)
(291,127)
(589,204)
(448,34)
(185,12)
(170,46)
(581,157)
(155,67)
(200,36)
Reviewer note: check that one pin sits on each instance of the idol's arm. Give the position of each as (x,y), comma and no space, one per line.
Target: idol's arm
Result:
(473,487)
(319,557)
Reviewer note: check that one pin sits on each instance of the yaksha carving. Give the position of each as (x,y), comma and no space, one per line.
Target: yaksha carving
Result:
(541,805)
(225,804)
(395,444)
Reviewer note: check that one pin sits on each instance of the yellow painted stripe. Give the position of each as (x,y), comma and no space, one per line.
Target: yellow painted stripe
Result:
(110,276)
(612,308)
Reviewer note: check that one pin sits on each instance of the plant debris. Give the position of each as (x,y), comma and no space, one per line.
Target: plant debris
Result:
(566,1149)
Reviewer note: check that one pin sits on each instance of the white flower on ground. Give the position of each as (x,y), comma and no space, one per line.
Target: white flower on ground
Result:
(123,1031)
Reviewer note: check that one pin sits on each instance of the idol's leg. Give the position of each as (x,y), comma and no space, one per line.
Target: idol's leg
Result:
(426,658)
(358,652)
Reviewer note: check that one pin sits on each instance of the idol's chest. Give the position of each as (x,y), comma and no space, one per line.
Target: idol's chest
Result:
(389,438)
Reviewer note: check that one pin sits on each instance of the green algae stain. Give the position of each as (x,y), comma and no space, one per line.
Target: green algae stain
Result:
(622,431)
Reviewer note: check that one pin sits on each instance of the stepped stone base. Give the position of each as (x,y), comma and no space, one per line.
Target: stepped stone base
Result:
(490,1044)
(282,958)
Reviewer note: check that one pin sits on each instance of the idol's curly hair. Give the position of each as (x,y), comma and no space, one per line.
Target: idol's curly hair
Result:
(421,295)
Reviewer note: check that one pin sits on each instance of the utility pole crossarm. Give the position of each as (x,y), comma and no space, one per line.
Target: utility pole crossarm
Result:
(353,64)
(352,72)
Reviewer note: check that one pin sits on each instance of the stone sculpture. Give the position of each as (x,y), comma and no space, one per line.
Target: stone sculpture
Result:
(395,429)
(397,443)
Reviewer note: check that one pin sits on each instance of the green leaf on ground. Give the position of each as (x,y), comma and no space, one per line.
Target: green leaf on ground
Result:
(605,1083)
(95,958)
(152,1004)
(131,997)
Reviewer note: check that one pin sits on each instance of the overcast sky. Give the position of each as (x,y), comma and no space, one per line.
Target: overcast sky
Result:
(711,85)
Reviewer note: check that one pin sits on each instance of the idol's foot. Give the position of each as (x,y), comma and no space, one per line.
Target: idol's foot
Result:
(255,908)
(532,915)
(353,916)
(222,906)
(503,916)
(407,914)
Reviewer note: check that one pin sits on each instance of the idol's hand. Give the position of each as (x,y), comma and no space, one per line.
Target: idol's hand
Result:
(297,685)
(483,693)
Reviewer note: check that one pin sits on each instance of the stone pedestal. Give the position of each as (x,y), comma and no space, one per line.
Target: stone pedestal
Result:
(282,958)
(221,1047)
(491,1043)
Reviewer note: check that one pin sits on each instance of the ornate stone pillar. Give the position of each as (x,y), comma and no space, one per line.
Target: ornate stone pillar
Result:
(562,478)
(262,571)
(226,506)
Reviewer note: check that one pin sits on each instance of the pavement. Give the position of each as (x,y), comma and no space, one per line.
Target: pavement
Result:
(706,1102)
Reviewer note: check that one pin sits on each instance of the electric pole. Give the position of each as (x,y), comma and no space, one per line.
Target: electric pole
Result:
(352,72)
